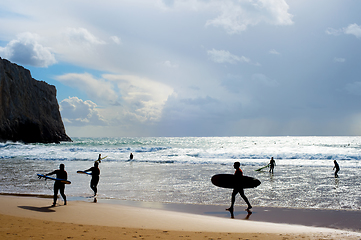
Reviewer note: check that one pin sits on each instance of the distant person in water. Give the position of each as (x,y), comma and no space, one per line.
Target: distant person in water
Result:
(131,156)
(272,165)
(238,173)
(95,177)
(337,167)
(60,174)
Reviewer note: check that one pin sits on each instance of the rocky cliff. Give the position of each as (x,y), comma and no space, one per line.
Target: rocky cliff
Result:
(29,110)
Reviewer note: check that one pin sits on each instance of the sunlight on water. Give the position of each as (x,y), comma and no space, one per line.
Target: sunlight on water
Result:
(179,169)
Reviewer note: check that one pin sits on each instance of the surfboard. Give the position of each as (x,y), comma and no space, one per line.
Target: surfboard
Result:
(55,179)
(84,172)
(259,169)
(231,181)
(99,160)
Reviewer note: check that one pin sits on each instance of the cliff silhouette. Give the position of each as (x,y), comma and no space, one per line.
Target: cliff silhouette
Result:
(29,110)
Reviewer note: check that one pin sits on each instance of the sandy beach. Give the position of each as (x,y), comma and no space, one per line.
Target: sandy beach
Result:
(33,218)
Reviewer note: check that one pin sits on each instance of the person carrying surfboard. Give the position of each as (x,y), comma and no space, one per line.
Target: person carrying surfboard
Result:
(95,172)
(239,174)
(58,185)
(99,158)
(272,165)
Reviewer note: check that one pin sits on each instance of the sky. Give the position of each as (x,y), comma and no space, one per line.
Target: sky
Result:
(174,68)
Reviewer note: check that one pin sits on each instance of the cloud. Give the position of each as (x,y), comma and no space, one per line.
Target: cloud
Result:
(335,32)
(141,96)
(99,89)
(81,36)
(352,29)
(27,50)
(235,17)
(273,51)
(222,56)
(116,40)
(76,112)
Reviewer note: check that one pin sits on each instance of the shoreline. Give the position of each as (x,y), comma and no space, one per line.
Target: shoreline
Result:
(151,222)
(347,220)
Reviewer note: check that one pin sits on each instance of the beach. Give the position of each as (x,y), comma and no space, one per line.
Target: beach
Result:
(33,218)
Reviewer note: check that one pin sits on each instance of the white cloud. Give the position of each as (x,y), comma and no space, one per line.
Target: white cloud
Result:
(235,17)
(273,51)
(81,36)
(353,29)
(99,89)
(116,39)
(27,50)
(340,60)
(332,31)
(141,96)
(222,56)
(76,112)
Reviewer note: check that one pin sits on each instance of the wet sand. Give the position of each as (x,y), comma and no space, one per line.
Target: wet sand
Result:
(33,218)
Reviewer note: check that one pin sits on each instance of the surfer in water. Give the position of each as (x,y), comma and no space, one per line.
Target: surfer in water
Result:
(95,177)
(238,173)
(337,167)
(61,174)
(131,156)
(272,165)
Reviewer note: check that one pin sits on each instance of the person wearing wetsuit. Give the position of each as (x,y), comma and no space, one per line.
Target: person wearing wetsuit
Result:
(60,174)
(272,165)
(239,174)
(337,167)
(95,177)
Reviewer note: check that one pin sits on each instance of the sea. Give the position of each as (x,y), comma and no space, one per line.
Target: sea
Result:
(179,169)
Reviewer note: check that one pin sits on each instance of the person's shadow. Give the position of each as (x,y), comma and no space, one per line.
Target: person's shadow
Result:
(38,209)
(249,213)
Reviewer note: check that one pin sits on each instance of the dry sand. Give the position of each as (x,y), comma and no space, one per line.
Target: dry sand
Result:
(33,218)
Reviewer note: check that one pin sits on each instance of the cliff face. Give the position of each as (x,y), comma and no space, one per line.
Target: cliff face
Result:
(29,110)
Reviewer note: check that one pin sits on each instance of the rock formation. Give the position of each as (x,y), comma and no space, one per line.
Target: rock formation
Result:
(29,110)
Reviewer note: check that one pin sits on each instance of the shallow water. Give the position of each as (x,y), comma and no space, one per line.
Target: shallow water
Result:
(178,170)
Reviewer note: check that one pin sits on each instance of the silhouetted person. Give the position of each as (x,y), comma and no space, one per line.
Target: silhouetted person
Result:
(337,167)
(58,185)
(272,165)
(99,158)
(95,177)
(239,174)
(131,156)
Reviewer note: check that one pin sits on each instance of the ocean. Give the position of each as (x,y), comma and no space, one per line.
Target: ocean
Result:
(179,169)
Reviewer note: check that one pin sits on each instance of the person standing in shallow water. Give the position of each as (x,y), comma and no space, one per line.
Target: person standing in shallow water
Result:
(337,167)
(95,177)
(60,174)
(239,174)
(272,165)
